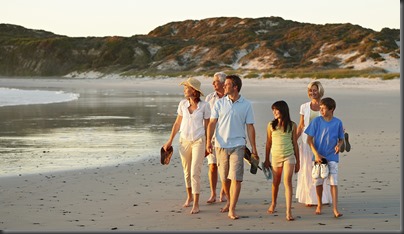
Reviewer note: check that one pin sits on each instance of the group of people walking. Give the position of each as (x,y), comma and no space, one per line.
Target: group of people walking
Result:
(218,127)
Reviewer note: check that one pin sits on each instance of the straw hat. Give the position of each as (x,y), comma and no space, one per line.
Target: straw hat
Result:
(194,83)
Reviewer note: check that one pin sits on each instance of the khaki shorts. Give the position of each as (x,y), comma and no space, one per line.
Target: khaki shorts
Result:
(230,163)
(279,161)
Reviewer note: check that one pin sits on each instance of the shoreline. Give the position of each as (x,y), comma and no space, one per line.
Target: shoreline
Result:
(147,196)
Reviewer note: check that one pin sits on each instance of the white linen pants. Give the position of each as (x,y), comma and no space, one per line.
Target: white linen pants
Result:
(192,155)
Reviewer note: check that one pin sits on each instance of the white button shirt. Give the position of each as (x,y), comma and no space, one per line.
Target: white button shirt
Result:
(192,125)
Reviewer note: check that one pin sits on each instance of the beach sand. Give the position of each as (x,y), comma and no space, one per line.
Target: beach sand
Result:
(147,196)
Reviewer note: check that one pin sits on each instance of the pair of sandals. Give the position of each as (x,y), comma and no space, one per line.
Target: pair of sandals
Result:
(346,146)
(254,161)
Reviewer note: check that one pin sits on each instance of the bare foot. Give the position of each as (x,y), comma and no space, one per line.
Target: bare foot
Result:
(271,209)
(337,214)
(233,215)
(211,200)
(187,202)
(195,210)
(318,210)
(310,205)
(225,208)
(289,217)
(222,197)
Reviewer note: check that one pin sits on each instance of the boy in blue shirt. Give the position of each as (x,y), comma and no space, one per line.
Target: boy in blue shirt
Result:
(325,137)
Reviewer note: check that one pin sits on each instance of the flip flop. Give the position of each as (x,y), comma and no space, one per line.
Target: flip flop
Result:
(250,158)
(165,156)
(342,148)
(347,145)
(267,171)
(247,154)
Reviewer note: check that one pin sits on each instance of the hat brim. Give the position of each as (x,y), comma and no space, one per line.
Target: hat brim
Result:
(188,84)
(165,156)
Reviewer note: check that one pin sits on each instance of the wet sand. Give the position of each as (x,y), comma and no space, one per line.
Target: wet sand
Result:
(146,196)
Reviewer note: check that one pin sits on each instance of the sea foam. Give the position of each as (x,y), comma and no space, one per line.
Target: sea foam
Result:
(13,97)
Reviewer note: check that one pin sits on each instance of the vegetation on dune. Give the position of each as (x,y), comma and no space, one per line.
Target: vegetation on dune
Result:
(257,48)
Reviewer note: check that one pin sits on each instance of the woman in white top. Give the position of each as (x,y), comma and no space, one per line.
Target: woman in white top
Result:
(305,189)
(192,120)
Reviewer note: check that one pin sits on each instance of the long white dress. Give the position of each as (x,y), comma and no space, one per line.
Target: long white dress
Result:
(305,189)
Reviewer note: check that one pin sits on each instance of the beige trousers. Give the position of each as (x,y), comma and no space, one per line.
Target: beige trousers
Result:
(192,155)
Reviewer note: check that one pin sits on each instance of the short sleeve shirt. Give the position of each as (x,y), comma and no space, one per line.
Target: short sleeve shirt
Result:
(326,136)
(212,98)
(232,119)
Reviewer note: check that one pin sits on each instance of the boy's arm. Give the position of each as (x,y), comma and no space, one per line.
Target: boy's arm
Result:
(317,156)
(338,146)
(341,137)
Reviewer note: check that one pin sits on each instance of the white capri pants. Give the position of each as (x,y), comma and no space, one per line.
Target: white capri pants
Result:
(192,155)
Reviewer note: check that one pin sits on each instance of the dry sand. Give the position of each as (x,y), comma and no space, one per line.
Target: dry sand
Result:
(146,196)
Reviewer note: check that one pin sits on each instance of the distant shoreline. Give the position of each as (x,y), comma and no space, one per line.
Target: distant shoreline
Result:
(244,75)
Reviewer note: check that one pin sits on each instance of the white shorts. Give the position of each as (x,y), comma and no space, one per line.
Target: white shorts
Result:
(211,159)
(332,178)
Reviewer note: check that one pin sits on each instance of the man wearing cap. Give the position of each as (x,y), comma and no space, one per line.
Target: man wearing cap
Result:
(230,118)
(218,85)
(191,122)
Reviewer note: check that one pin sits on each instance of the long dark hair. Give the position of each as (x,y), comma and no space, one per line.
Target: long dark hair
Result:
(283,108)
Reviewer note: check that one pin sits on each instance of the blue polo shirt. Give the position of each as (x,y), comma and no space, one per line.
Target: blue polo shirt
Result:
(232,119)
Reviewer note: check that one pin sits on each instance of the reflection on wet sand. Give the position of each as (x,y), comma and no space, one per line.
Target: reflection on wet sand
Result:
(103,127)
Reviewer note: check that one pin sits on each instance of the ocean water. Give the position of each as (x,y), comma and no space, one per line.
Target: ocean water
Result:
(90,123)
(58,124)
(15,97)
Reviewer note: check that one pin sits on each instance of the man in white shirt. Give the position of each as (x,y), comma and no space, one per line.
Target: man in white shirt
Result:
(218,85)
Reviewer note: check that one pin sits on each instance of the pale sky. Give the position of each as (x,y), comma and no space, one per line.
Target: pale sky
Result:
(82,18)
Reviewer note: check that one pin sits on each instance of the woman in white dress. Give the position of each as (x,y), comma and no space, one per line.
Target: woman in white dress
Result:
(305,189)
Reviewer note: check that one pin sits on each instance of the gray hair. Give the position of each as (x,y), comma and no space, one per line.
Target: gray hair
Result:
(221,76)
